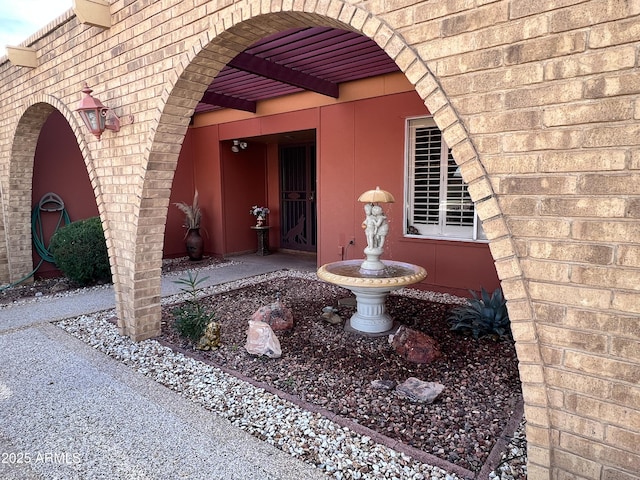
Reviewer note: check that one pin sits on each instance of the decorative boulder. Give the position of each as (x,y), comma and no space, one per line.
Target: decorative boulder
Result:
(414,346)
(419,391)
(276,315)
(262,341)
(211,337)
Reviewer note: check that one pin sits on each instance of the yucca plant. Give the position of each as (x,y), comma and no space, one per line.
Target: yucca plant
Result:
(483,315)
(192,214)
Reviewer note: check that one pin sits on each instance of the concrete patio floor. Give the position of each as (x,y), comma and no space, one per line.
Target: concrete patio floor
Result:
(68,411)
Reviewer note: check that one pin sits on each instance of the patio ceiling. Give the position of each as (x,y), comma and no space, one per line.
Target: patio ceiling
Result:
(316,59)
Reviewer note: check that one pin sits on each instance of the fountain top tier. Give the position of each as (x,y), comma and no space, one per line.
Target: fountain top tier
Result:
(373,272)
(350,274)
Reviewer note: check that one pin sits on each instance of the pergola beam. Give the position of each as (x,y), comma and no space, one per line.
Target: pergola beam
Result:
(259,66)
(227,101)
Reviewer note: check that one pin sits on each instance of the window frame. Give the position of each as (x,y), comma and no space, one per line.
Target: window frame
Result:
(441,230)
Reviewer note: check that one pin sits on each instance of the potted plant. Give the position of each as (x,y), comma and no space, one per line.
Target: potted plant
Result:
(260,213)
(192,217)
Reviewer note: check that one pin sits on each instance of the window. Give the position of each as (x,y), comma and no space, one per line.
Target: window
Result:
(438,203)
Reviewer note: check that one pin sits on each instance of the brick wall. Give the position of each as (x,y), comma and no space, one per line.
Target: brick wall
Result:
(539,100)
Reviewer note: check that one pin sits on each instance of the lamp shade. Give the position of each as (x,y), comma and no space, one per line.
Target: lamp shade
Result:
(376,196)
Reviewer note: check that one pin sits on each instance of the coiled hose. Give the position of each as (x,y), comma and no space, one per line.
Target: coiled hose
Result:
(50,202)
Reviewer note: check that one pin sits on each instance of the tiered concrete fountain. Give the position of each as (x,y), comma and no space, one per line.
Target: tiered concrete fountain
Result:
(373,279)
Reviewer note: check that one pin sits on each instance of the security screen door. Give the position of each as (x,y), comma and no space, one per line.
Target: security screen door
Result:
(297,201)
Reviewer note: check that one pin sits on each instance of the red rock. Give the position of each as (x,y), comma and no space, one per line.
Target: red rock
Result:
(415,346)
(276,315)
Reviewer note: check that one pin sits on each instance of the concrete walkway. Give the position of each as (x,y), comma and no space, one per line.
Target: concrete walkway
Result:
(67,411)
(99,299)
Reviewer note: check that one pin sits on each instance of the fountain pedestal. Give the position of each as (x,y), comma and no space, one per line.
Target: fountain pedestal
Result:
(371,315)
(371,290)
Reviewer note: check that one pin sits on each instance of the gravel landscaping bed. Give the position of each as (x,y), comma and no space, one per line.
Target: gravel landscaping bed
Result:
(316,401)
(325,365)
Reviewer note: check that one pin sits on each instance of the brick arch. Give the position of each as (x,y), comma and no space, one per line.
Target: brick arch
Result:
(501,242)
(200,65)
(187,87)
(25,138)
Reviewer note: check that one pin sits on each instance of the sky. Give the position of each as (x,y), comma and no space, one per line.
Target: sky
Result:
(19,19)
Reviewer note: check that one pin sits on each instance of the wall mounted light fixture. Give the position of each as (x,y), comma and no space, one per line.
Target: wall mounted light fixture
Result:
(97,117)
(238,145)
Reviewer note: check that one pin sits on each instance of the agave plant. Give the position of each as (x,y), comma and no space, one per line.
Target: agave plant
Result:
(483,315)
(191,212)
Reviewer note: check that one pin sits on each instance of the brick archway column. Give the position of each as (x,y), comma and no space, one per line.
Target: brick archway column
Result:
(19,192)
(495,226)
(507,265)
(139,297)
(18,224)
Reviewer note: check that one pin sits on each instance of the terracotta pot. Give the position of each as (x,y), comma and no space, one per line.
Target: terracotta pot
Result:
(195,244)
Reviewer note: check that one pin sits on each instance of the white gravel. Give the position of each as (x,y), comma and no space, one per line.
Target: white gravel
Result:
(337,450)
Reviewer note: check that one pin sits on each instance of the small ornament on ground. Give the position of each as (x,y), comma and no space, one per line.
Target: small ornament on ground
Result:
(330,315)
(211,337)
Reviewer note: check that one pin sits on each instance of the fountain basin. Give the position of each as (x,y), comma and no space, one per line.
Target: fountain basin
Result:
(371,290)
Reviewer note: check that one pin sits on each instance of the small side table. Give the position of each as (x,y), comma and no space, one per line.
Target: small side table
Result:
(263,240)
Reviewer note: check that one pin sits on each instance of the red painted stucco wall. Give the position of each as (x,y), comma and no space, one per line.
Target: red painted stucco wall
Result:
(230,183)
(360,145)
(59,168)
(245,177)
(182,190)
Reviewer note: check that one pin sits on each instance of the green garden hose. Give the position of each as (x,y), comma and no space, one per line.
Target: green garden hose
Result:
(50,202)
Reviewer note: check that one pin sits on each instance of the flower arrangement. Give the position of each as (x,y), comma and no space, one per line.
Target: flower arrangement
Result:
(260,212)
(192,214)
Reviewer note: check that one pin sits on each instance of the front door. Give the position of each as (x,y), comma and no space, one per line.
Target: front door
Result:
(298,200)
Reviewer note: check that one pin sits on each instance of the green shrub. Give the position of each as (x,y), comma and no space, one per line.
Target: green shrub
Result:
(483,315)
(80,251)
(191,317)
